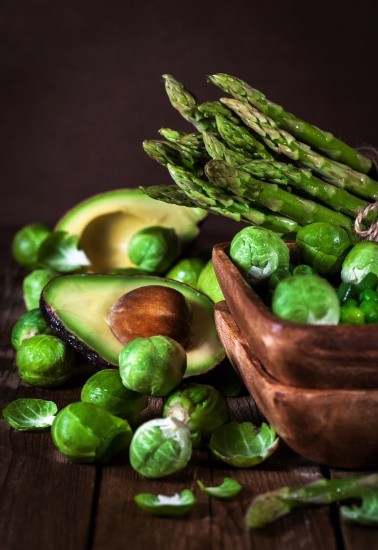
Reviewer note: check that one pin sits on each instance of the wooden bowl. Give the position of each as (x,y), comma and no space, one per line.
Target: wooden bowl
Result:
(308,356)
(334,427)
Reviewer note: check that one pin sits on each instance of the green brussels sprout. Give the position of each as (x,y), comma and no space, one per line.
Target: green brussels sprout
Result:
(308,299)
(303,269)
(33,285)
(360,261)
(154,249)
(160,447)
(153,365)
(30,324)
(242,444)
(85,432)
(105,388)
(258,253)
(26,243)
(44,360)
(167,506)
(208,283)
(60,252)
(200,407)
(323,246)
(186,271)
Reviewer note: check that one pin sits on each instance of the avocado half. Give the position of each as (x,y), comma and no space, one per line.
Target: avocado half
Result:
(106,222)
(77,306)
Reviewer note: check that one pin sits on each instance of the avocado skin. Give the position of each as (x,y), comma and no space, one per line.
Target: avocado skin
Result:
(60,331)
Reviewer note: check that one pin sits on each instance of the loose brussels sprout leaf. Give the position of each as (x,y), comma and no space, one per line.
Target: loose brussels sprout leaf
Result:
(186,271)
(366,513)
(105,388)
(26,243)
(30,324)
(201,407)
(160,447)
(307,299)
(154,249)
(361,260)
(33,285)
(227,490)
(60,252)
(152,366)
(85,432)
(30,414)
(258,253)
(268,507)
(323,246)
(162,505)
(208,283)
(243,444)
(44,360)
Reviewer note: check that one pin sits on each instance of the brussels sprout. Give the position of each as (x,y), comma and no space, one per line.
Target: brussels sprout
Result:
(243,444)
(85,432)
(258,253)
(199,406)
(162,505)
(33,285)
(323,246)
(351,315)
(208,283)
(308,299)
(186,271)
(154,248)
(30,414)
(60,252)
(360,261)
(160,447)
(26,243)
(153,365)
(105,388)
(45,361)
(227,490)
(30,324)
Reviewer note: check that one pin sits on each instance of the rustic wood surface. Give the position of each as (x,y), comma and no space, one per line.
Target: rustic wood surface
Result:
(48,503)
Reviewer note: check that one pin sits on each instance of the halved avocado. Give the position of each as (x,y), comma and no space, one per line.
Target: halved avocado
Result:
(77,306)
(105,223)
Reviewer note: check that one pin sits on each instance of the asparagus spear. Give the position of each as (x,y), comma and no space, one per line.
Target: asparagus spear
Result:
(192,143)
(186,104)
(240,139)
(241,183)
(281,141)
(216,149)
(269,506)
(324,141)
(167,153)
(194,186)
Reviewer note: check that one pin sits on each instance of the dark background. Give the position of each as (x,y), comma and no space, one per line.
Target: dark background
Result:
(81,84)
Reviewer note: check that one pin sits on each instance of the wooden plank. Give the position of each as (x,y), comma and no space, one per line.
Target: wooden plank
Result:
(45,501)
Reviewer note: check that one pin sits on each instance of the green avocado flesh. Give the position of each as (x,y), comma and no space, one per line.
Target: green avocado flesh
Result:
(106,222)
(77,306)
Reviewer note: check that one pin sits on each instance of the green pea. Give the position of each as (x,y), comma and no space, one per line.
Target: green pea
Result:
(351,302)
(350,315)
(370,310)
(369,295)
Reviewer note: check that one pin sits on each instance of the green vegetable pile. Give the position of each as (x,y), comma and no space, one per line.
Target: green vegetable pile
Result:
(329,279)
(252,161)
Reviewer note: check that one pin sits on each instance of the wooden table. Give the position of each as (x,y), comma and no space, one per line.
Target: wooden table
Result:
(48,503)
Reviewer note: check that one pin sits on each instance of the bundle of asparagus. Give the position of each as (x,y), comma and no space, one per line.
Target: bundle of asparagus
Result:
(252,161)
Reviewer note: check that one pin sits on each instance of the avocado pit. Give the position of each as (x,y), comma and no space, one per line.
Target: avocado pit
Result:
(151,311)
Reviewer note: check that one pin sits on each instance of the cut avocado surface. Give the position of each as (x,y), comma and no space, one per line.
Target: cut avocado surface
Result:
(77,307)
(105,223)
